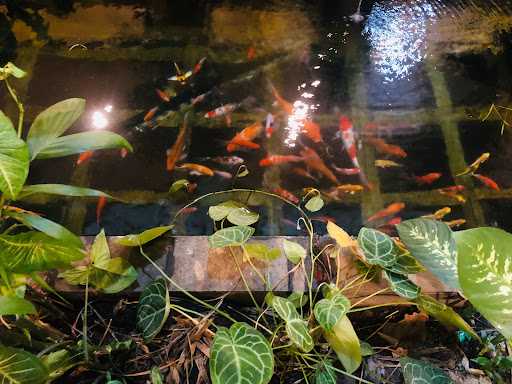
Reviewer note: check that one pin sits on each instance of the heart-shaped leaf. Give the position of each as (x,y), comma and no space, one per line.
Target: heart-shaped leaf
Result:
(378,248)
(52,123)
(402,286)
(314,204)
(13,305)
(341,237)
(325,373)
(417,371)
(330,310)
(222,210)
(243,216)
(240,355)
(294,251)
(432,244)
(144,237)
(153,309)
(261,251)
(345,343)
(485,274)
(14,159)
(232,236)
(20,367)
(296,328)
(60,190)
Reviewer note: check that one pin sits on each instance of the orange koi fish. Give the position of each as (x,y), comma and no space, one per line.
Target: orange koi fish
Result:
(454,195)
(235,143)
(427,179)
(350,188)
(313,161)
(163,95)
(382,147)
(347,171)
(439,214)
(84,156)
(487,181)
(251,53)
(200,169)
(248,134)
(198,66)
(102,201)
(390,210)
(286,195)
(279,159)
(394,221)
(455,223)
(221,111)
(180,77)
(151,113)
(453,188)
(312,130)
(285,105)
(303,173)
(174,154)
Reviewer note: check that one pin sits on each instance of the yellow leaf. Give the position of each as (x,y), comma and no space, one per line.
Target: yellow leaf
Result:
(344,341)
(341,237)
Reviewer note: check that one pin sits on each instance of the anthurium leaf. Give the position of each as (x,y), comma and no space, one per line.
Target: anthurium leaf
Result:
(261,251)
(405,264)
(144,237)
(445,314)
(314,204)
(20,367)
(178,185)
(296,328)
(417,371)
(242,216)
(232,236)
(485,274)
(293,251)
(14,159)
(81,142)
(52,123)
(431,243)
(330,310)
(34,251)
(341,237)
(222,210)
(345,343)
(13,305)
(49,227)
(299,299)
(401,285)
(240,355)
(60,190)
(325,373)
(378,248)
(153,309)
(284,308)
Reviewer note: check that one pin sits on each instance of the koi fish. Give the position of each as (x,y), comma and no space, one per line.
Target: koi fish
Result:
(174,154)
(427,179)
(102,201)
(163,95)
(382,147)
(242,143)
(303,173)
(224,175)
(475,165)
(347,171)
(269,126)
(279,159)
(251,53)
(286,195)
(313,161)
(439,214)
(84,156)
(151,113)
(346,129)
(350,188)
(455,223)
(248,134)
(386,164)
(191,187)
(180,77)
(228,160)
(312,130)
(200,169)
(394,221)
(198,66)
(453,188)
(487,181)
(454,195)
(221,111)
(285,105)
(390,210)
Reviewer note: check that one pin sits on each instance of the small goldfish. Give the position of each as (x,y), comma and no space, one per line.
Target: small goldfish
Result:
(313,161)
(221,111)
(236,143)
(279,159)
(312,130)
(394,221)
(84,156)
(454,195)
(475,165)
(248,134)
(386,163)
(174,154)
(382,147)
(228,160)
(455,223)
(346,128)
(251,53)
(198,66)
(439,214)
(102,201)
(350,188)
(163,95)
(303,173)
(269,126)
(427,179)
(286,195)
(487,181)
(151,113)
(198,168)
(453,188)
(390,210)
(191,187)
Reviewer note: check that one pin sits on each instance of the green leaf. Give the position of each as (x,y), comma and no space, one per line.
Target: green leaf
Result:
(156,376)
(325,373)
(261,251)
(52,123)
(58,362)
(222,210)
(402,286)
(432,244)
(314,204)
(82,142)
(330,310)
(296,328)
(61,190)
(485,274)
(20,367)
(445,314)
(345,343)
(178,184)
(14,159)
(366,349)
(48,227)
(294,251)
(153,309)
(299,299)
(405,264)
(240,355)
(242,216)
(34,251)
(232,236)
(13,70)
(13,305)
(144,237)
(418,372)
(378,248)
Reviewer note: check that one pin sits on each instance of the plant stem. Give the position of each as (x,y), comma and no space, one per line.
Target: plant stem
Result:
(84,322)
(20,106)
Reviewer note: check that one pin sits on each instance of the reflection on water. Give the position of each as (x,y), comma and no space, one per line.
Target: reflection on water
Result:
(376,109)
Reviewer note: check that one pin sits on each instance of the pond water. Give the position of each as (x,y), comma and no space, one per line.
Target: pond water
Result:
(347,83)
